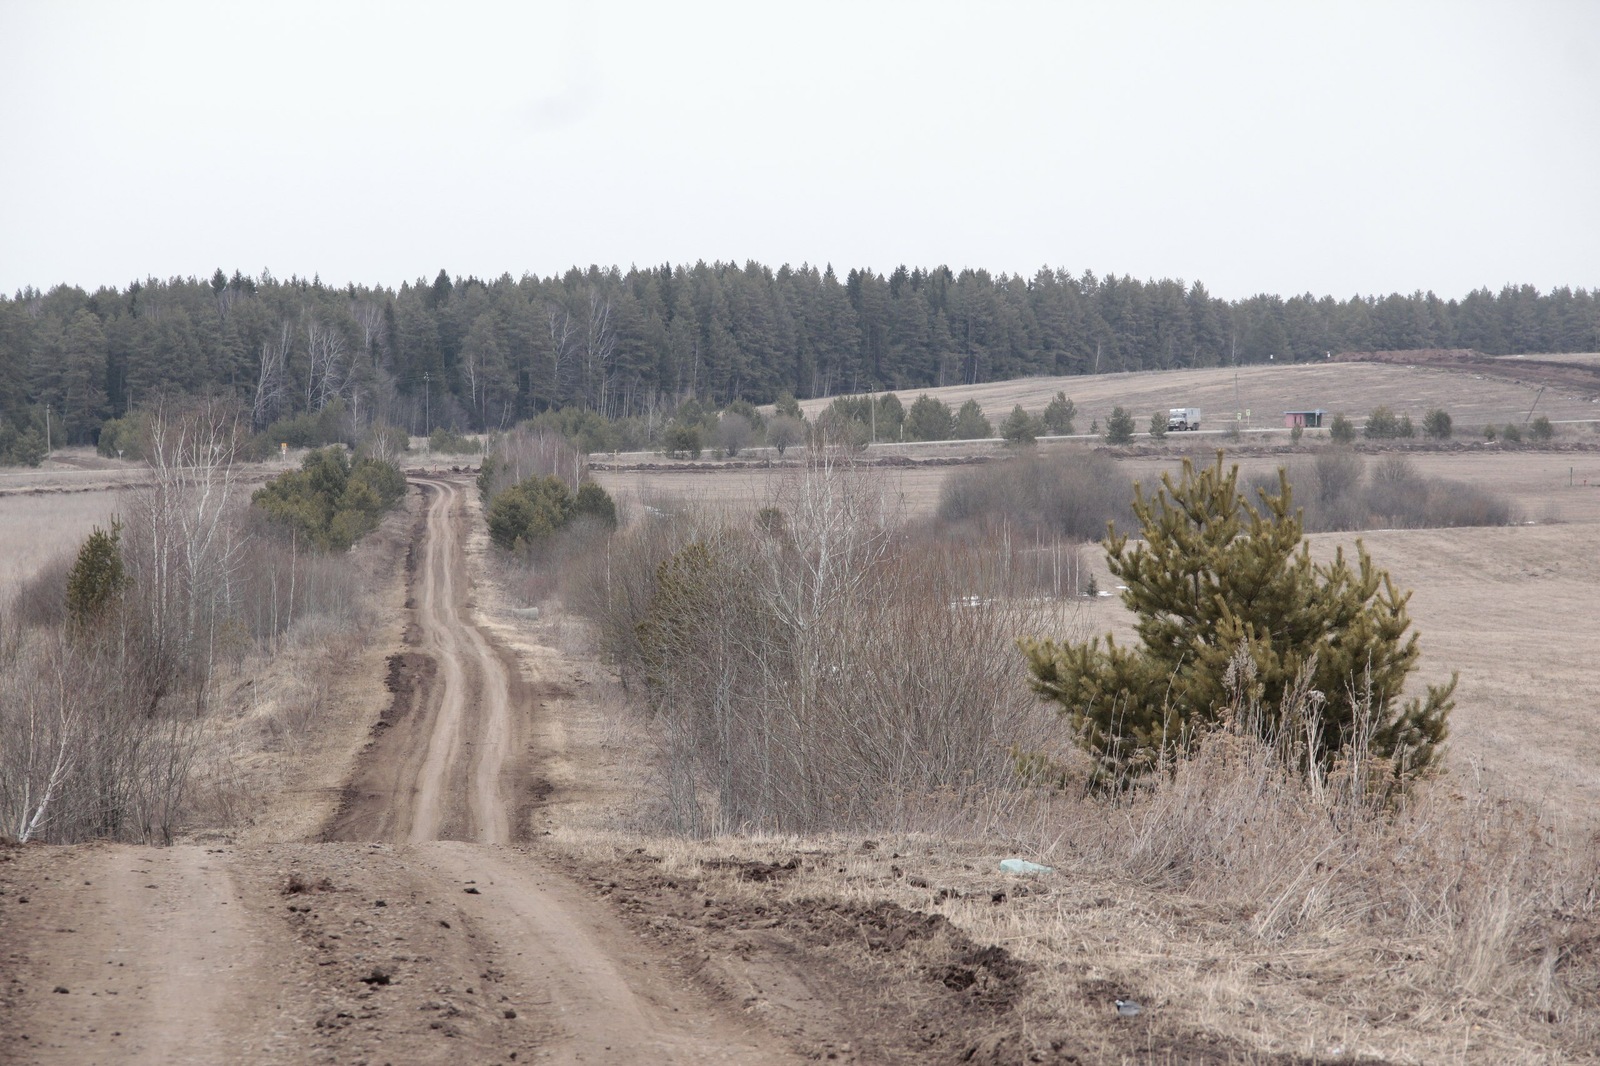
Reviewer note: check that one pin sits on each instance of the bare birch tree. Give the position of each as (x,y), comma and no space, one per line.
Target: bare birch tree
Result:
(368,315)
(40,749)
(599,350)
(272,378)
(326,371)
(563,349)
(186,547)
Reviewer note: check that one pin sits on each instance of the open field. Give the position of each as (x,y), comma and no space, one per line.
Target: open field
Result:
(34,529)
(48,510)
(1536,481)
(1473,400)
(455,856)
(1512,609)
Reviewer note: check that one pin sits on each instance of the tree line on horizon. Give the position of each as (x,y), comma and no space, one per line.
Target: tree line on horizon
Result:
(475,354)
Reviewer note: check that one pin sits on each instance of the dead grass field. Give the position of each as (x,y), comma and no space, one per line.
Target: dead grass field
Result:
(1473,400)
(1512,609)
(1536,481)
(1586,358)
(35,529)
(48,510)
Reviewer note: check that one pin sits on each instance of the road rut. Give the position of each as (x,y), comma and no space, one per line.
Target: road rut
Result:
(418,930)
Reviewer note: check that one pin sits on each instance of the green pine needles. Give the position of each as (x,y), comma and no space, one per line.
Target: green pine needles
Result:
(1215,576)
(331,500)
(529,513)
(97,576)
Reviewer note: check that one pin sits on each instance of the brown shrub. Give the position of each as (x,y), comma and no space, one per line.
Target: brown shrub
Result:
(815,667)
(1069,494)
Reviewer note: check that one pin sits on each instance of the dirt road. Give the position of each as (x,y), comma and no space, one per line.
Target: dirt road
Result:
(418,931)
(436,769)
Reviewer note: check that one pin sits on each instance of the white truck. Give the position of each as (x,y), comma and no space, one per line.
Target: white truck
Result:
(1181,418)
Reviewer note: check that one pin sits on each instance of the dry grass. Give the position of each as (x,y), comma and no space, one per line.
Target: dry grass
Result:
(294,715)
(1266,392)
(1512,609)
(1557,357)
(1232,901)
(37,528)
(1537,482)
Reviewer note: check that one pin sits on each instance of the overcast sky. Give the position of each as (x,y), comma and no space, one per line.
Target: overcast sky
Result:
(1335,148)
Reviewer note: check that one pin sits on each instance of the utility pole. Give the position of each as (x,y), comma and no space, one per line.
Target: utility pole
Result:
(427,404)
(47,430)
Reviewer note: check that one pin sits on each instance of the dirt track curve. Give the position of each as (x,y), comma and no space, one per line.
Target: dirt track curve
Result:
(418,931)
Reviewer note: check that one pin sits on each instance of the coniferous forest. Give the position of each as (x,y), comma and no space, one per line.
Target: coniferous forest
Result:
(474,354)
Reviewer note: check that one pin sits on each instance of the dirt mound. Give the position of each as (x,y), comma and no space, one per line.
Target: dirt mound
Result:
(846,981)
(877,982)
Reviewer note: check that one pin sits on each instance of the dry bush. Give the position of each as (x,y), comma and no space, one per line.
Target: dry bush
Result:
(101,719)
(1338,492)
(532,575)
(285,582)
(88,746)
(611,585)
(810,667)
(1066,494)
(41,600)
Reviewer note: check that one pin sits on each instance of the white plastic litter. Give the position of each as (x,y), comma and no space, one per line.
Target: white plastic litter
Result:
(1023,866)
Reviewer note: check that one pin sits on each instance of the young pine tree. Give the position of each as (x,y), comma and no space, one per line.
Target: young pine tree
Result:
(971,423)
(1119,427)
(1058,415)
(1213,574)
(97,576)
(1019,428)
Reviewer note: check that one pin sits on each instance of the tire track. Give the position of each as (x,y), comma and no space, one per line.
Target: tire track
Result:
(437,771)
(429,941)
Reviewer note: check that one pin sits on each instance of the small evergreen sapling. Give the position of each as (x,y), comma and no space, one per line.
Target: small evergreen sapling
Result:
(97,576)
(1020,428)
(1058,415)
(1119,427)
(1213,575)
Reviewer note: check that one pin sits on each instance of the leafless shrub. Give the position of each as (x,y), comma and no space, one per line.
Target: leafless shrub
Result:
(1337,492)
(101,719)
(287,582)
(613,584)
(813,667)
(87,749)
(41,600)
(734,433)
(525,452)
(1069,494)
